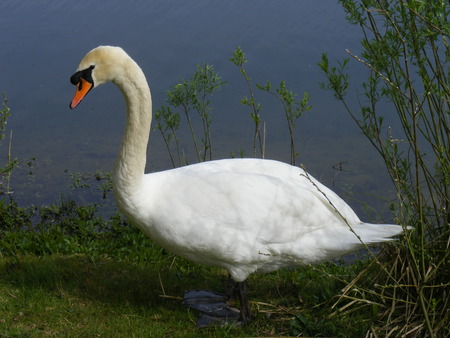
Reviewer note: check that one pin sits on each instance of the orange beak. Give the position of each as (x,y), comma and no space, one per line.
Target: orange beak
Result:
(83,87)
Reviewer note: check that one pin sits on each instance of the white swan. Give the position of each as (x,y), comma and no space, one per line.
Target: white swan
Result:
(244,215)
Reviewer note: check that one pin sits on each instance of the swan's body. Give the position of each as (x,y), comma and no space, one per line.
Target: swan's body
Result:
(248,215)
(245,215)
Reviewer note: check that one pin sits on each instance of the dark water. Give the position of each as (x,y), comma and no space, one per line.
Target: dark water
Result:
(43,41)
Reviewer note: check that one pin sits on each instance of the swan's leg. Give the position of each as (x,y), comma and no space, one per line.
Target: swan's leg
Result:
(241,289)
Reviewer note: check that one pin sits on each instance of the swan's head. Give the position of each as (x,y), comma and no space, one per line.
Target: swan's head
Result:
(100,65)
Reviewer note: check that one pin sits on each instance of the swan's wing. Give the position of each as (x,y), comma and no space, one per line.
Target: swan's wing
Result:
(290,175)
(230,216)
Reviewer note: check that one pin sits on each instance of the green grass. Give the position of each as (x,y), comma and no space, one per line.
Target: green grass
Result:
(75,295)
(62,295)
(64,271)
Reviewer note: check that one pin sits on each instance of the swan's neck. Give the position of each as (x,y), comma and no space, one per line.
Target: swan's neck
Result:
(130,163)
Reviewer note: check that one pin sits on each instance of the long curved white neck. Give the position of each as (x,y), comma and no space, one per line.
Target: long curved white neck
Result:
(130,163)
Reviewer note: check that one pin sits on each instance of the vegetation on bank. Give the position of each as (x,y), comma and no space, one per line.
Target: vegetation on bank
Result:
(405,51)
(64,270)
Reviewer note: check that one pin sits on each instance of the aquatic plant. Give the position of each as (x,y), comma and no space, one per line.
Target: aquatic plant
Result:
(187,96)
(239,60)
(292,106)
(168,122)
(11,163)
(293,109)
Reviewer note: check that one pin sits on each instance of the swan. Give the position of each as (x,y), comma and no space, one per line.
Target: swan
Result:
(244,215)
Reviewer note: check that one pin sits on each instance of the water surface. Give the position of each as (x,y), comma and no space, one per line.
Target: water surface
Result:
(43,41)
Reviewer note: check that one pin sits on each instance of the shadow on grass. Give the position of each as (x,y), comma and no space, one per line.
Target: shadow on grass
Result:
(59,295)
(100,296)
(105,280)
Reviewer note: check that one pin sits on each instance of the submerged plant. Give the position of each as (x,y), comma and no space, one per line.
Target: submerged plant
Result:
(99,180)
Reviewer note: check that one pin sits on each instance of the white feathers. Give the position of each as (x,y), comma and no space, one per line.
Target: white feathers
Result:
(245,215)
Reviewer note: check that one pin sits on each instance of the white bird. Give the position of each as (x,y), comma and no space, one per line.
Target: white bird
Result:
(244,215)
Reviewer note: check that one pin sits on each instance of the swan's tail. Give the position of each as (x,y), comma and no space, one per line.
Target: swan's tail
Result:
(376,233)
